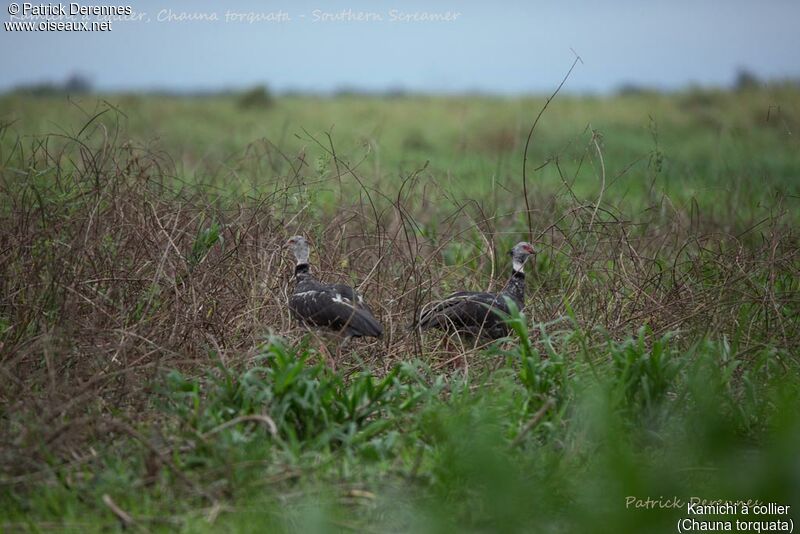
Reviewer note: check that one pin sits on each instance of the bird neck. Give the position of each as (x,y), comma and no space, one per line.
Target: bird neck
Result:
(515,287)
(302,270)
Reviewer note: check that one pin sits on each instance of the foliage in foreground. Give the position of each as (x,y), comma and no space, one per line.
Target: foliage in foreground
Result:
(555,438)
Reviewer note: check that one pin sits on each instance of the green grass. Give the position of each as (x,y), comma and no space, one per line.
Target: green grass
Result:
(695,146)
(151,378)
(419,451)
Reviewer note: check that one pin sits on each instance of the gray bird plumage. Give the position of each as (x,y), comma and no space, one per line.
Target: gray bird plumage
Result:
(477,313)
(337,307)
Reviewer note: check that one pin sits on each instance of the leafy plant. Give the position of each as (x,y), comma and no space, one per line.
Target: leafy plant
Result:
(644,373)
(204,241)
(308,406)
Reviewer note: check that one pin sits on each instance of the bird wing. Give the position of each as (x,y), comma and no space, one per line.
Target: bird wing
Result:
(457,301)
(465,309)
(350,294)
(353,296)
(336,307)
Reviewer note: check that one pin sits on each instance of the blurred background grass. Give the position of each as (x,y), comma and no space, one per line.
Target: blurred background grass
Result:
(699,145)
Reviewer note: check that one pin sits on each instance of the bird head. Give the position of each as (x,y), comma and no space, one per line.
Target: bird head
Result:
(299,247)
(520,254)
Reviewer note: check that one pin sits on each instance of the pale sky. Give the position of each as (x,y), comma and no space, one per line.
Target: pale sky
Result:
(513,47)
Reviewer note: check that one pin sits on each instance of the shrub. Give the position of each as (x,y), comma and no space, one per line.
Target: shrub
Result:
(258,97)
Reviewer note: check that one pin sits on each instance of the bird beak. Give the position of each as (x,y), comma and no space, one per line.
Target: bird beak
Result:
(530,250)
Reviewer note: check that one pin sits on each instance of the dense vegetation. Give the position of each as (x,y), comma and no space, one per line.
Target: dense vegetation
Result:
(151,377)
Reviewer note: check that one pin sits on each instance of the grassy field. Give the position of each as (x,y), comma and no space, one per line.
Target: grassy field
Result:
(152,378)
